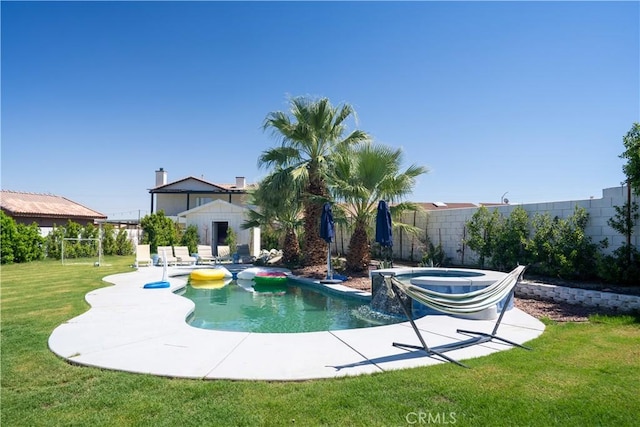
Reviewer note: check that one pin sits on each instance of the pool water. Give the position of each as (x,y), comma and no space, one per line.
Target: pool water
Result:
(285,309)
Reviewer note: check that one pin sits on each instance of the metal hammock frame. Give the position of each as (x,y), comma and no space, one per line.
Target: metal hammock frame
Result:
(469,302)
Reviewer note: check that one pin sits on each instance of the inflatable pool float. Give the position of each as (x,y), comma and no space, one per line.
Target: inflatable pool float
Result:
(210,274)
(248,273)
(251,272)
(157,285)
(209,284)
(270,278)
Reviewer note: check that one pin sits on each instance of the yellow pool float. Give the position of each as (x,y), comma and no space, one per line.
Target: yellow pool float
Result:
(209,284)
(208,274)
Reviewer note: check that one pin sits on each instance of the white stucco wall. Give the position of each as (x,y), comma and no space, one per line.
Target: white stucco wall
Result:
(220,211)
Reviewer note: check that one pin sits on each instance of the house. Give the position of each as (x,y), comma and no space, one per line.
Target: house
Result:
(191,192)
(213,208)
(46,210)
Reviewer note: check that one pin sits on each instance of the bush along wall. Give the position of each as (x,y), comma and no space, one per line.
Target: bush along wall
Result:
(19,242)
(552,246)
(24,243)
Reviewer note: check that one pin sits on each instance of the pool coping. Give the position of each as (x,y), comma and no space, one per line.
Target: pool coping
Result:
(132,329)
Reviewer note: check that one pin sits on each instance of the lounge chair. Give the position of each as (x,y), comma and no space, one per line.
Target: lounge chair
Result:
(244,255)
(167,251)
(205,255)
(470,302)
(143,255)
(224,254)
(182,253)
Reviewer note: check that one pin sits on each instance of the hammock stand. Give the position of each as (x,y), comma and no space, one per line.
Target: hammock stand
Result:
(455,303)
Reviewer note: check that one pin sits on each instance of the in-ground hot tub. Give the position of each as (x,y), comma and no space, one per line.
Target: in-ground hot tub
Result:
(444,280)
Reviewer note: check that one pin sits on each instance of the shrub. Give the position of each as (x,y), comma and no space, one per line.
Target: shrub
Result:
(8,234)
(123,243)
(269,239)
(555,246)
(231,240)
(108,240)
(434,256)
(622,267)
(28,245)
(510,242)
(481,233)
(560,247)
(190,238)
(158,230)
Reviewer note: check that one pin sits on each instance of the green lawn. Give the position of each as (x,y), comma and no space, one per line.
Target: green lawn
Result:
(577,375)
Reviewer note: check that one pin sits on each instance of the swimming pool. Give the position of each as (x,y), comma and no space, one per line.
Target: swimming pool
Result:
(288,308)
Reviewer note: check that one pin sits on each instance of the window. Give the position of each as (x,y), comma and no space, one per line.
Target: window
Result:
(202,201)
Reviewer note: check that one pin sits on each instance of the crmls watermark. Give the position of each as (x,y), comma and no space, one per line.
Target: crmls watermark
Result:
(424,417)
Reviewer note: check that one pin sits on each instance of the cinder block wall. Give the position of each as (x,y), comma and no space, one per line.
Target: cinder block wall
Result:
(447,226)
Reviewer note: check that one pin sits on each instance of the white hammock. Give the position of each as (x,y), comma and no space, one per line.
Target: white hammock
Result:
(469,302)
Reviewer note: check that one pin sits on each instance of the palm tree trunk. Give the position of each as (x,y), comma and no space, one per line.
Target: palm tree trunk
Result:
(314,246)
(291,248)
(359,255)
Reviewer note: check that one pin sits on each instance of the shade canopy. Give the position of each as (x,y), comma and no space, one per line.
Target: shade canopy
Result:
(327,230)
(384,233)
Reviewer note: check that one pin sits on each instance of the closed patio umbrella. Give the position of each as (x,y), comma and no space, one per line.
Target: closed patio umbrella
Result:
(327,232)
(384,230)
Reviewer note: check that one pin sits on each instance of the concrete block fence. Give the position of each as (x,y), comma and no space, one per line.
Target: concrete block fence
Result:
(447,226)
(577,296)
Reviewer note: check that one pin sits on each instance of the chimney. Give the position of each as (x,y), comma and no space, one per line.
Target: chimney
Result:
(240,182)
(161,177)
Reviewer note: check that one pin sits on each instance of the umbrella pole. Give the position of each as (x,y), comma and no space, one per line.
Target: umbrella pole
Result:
(164,266)
(329,267)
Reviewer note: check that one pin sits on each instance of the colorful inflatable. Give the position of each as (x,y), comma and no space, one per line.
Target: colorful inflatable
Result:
(157,285)
(270,278)
(248,273)
(251,272)
(219,273)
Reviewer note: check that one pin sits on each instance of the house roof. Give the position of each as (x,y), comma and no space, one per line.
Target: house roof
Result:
(436,206)
(195,184)
(44,206)
(492,204)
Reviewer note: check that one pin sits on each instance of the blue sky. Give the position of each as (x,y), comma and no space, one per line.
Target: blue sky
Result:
(529,98)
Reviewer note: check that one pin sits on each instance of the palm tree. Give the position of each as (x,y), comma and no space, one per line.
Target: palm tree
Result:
(279,206)
(362,176)
(309,134)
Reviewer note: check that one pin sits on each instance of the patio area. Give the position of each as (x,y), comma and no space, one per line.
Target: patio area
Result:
(132,329)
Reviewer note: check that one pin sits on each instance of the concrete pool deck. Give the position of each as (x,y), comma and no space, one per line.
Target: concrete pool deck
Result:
(132,329)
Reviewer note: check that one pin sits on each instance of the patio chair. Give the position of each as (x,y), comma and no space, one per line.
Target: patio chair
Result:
(470,302)
(167,251)
(182,253)
(224,254)
(205,255)
(143,255)
(244,255)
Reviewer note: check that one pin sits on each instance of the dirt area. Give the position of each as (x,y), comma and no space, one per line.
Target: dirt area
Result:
(559,312)
(360,281)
